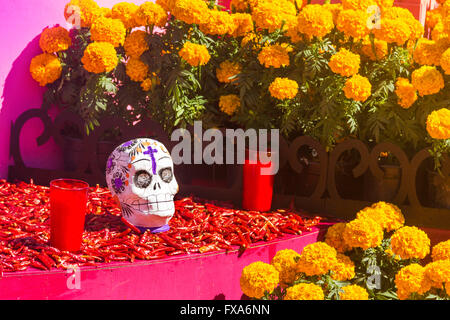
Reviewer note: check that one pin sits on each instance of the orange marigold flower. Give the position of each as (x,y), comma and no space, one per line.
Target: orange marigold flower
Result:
(276,55)
(55,39)
(317,259)
(410,242)
(125,11)
(427,80)
(227,70)
(194,54)
(136,44)
(100,57)
(438,124)
(45,68)
(406,93)
(358,88)
(150,14)
(283,88)
(108,30)
(315,20)
(363,233)
(345,63)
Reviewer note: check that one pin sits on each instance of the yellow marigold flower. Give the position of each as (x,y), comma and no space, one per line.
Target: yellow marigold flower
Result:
(357,88)
(427,80)
(344,269)
(258,278)
(100,57)
(398,13)
(125,12)
(427,52)
(438,124)
(136,69)
(276,55)
(335,239)
(243,24)
(417,29)
(227,70)
(194,54)
(363,233)
(108,30)
(84,12)
(291,29)
(440,36)
(433,17)
(353,292)
(393,31)
(411,279)
(150,14)
(387,215)
(406,93)
(345,63)
(190,11)
(358,4)
(353,23)
(285,263)
(229,104)
(166,4)
(410,242)
(304,291)
(441,251)
(136,44)
(438,273)
(218,23)
(381,49)
(315,20)
(283,88)
(45,68)
(105,12)
(55,39)
(270,15)
(407,18)
(335,9)
(445,61)
(317,259)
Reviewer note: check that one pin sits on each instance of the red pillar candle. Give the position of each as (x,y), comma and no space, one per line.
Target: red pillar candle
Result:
(257,189)
(68,200)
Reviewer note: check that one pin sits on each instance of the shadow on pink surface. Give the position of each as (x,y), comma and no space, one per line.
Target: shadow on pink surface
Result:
(21,93)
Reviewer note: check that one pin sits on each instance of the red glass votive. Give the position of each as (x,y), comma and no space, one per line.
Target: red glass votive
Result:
(68,201)
(257,189)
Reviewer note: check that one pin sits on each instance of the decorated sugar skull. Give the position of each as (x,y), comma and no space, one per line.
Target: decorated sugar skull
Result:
(140,177)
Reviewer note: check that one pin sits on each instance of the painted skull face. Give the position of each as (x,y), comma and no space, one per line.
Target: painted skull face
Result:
(140,176)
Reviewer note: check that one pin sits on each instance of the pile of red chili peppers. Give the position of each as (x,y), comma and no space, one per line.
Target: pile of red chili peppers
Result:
(198,226)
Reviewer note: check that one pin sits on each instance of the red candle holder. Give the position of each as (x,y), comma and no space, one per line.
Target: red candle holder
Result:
(68,201)
(257,188)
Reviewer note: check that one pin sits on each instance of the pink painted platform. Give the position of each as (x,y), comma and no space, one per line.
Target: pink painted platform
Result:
(204,276)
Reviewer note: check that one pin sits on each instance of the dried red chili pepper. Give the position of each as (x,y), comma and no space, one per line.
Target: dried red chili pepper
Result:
(197,226)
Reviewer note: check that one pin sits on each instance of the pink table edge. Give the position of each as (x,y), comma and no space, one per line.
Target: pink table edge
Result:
(206,276)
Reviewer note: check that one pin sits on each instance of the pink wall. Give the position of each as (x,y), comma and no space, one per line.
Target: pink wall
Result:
(21,22)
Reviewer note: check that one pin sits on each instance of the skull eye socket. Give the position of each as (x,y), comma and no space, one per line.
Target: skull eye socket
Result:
(142,179)
(166,174)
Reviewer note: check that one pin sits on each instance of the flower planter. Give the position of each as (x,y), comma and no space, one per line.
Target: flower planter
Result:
(383,189)
(73,153)
(438,190)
